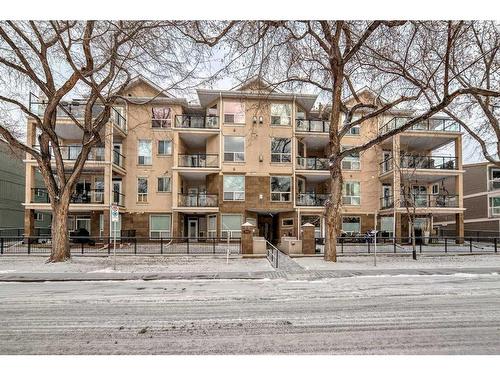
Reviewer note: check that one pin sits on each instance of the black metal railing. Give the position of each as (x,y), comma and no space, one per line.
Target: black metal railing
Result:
(198,200)
(311,199)
(312,126)
(199,160)
(119,198)
(421,162)
(71,153)
(118,159)
(432,124)
(421,200)
(130,245)
(387,202)
(91,196)
(196,122)
(272,254)
(312,163)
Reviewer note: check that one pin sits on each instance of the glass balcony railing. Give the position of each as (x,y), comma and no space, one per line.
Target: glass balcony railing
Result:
(71,153)
(311,199)
(312,163)
(199,160)
(198,200)
(421,162)
(421,201)
(312,126)
(432,124)
(196,122)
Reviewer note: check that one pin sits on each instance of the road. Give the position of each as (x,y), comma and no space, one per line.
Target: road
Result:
(458,314)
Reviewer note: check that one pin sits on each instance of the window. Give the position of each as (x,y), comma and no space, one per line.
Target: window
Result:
(161,117)
(287,222)
(387,225)
(281,114)
(351,161)
(38,216)
(164,185)
(356,128)
(99,189)
(281,150)
(144,152)
(231,226)
(234,112)
(234,188)
(159,226)
(212,226)
(165,147)
(351,224)
(234,149)
(142,189)
(435,189)
(281,188)
(351,194)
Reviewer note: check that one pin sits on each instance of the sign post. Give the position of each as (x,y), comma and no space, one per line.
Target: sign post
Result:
(375,242)
(115,216)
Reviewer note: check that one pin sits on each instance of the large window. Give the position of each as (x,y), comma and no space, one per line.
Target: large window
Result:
(351,225)
(164,184)
(159,226)
(281,114)
(144,152)
(234,112)
(281,188)
(234,148)
(351,161)
(234,188)
(281,150)
(142,189)
(231,226)
(352,194)
(165,147)
(161,117)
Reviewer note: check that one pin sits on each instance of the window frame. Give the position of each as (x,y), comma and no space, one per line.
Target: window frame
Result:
(281,154)
(158,147)
(351,233)
(287,225)
(158,184)
(349,202)
(234,152)
(38,216)
(142,197)
(225,232)
(351,160)
(162,121)
(234,114)
(280,117)
(242,192)
(280,193)
(211,233)
(167,231)
(150,156)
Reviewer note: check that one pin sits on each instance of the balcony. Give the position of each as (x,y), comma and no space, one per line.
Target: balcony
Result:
(311,199)
(198,200)
(196,122)
(71,153)
(92,196)
(199,160)
(312,126)
(421,162)
(118,159)
(432,124)
(316,164)
(422,201)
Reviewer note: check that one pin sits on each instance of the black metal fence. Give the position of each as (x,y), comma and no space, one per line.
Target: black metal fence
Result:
(19,245)
(272,254)
(424,245)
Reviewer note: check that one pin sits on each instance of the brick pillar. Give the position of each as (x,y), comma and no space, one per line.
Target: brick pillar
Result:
(308,241)
(105,232)
(459,227)
(29,222)
(247,238)
(397,225)
(94,223)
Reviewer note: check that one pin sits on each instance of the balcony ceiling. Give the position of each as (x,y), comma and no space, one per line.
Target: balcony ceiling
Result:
(70,131)
(426,143)
(315,142)
(194,140)
(314,177)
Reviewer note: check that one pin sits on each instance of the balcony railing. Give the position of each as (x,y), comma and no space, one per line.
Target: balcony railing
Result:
(198,200)
(494,184)
(196,122)
(119,198)
(76,109)
(312,126)
(118,159)
(199,160)
(312,163)
(421,201)
(91,196)
(421,162)
(71,153)
(432,124)
(311,199)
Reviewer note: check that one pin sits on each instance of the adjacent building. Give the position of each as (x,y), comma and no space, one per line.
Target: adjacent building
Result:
(251,154)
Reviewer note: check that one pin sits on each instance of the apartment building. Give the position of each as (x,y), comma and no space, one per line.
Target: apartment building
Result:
(481,200)
(251,154)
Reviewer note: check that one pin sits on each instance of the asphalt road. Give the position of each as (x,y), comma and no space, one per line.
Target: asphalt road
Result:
(457,314)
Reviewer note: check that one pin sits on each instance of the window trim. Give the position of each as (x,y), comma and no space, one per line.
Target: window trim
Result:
(158,185)
(158,147)
(280,192)
(151,155)
(287,225)
(280,124)
(168,231)
(347,159)
(236,191)
(234,153)
(168,120)
(224,113)
(142,194)
(230,231)
(351,196)
(280,153)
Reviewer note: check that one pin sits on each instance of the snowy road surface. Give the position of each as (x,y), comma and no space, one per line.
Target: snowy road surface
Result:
(381,314)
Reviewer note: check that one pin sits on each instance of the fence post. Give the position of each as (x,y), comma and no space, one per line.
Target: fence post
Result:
(394,244)
(1,245)
(29,245)
(420,246)
(187,243)
(470,244)
(368,246)
(341,247)
(161,244)
(82,247)
(213,245)
(445,245)
(109,245)
(496,245)
(135,246)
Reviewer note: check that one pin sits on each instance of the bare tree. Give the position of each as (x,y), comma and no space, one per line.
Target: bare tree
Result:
(66,60)
(405,64)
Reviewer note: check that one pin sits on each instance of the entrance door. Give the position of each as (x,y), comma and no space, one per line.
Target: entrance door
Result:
(192,227)
(268,227)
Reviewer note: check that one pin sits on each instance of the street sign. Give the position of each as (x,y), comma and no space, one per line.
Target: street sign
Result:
(115,216)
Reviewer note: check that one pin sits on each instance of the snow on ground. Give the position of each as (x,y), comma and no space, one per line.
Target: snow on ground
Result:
(173,264)
(400,262)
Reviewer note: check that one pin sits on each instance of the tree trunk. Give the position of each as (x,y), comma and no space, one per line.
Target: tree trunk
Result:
(60,236)
(333,210)
(413,240)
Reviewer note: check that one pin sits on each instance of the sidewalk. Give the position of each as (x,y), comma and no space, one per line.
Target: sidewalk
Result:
(34,269)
